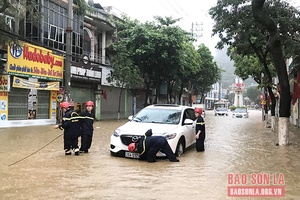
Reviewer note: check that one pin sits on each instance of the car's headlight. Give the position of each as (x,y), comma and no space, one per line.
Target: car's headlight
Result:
(170,136)
(116,133)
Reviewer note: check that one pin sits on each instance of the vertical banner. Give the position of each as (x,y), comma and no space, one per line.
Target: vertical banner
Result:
(3,106)
(53,106)
(4,83)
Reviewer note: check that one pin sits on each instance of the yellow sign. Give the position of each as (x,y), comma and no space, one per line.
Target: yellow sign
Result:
(60,98)
(4,83)
(23,83)
(52,108)
(3,106)
(263,102)
(25,59)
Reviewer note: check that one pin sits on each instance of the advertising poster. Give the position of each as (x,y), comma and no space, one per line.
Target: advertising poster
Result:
(25,59)
(24,83)
(53,105)
(4,83)
(3,106)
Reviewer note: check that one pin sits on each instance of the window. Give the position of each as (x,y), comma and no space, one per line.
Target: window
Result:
(61,34)
(10,21)
(53,32)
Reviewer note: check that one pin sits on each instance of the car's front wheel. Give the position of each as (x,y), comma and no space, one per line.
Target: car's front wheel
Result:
(180,147)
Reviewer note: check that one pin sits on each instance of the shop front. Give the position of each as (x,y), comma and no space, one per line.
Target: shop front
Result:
(33,79)
(86,85)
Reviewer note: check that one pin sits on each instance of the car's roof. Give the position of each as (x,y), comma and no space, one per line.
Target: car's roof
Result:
(169,106)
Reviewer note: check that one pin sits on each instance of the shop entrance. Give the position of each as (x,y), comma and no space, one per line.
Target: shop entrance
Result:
(28,104)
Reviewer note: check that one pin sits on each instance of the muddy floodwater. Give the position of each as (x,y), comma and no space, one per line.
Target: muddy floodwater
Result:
(239,152)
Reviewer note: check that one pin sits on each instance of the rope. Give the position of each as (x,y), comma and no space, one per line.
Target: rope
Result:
(35,151)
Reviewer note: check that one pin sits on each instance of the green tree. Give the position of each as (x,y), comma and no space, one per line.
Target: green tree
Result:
(155,47)
(254,94)
(189,65)
(208,74)
(276,50)
(237,28)
(163,54)
(250,65)
(125,74)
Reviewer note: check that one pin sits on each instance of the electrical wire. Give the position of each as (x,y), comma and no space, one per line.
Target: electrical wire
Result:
(35,151)
(171,5)
(165,7)
(181,9)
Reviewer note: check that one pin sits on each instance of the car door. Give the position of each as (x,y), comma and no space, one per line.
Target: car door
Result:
(189,130)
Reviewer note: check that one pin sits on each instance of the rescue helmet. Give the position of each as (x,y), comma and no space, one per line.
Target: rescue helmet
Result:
(198,110)
(131,147)
(65,104)
(89,103)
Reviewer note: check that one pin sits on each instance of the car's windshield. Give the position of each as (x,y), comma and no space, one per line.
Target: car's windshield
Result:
(221,109)
(164,116)
(240,110)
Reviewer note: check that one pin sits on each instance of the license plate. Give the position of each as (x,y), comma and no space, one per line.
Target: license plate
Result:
(132,155)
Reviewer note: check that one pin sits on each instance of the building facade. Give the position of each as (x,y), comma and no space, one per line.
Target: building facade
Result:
(34,65)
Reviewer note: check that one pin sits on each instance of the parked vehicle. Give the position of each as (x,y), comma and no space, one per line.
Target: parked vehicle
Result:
(240,113)
(221,111)
(174,122)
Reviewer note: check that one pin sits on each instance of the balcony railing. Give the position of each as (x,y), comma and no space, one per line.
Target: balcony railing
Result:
(100,14)
(93,57)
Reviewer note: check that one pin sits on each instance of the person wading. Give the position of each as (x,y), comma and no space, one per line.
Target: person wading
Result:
(71,126)
(87,129)
(200,130)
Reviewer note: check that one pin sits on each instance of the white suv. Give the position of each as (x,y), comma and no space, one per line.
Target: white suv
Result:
(221,111)
(176,123)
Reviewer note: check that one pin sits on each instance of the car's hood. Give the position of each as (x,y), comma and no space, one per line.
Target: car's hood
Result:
(138,128)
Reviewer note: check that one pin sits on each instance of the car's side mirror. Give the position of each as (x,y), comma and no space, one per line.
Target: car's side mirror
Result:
(130,117)
(188,122)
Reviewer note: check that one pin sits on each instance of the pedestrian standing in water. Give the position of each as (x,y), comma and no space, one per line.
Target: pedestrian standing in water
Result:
(87,121)
(71,126)
(200,130)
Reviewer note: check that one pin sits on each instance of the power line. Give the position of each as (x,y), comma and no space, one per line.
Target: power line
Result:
(35,151)
(174,8)
(165,7)
(182,9)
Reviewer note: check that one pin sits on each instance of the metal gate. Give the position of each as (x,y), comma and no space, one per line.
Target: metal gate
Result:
(43,104)
(17,104)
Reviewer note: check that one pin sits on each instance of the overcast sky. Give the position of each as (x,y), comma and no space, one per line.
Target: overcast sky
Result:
(192,13)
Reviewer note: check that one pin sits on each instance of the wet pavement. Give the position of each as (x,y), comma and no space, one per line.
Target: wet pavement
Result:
(33,164)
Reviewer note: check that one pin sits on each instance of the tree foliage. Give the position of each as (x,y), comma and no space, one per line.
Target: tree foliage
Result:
(254,94)
(208,73)
(161,53)
(249,38)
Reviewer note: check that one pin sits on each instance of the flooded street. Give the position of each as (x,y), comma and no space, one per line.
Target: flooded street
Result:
(33,164)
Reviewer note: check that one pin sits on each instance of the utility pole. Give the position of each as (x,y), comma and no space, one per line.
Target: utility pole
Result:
(196,29)
(69,30)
